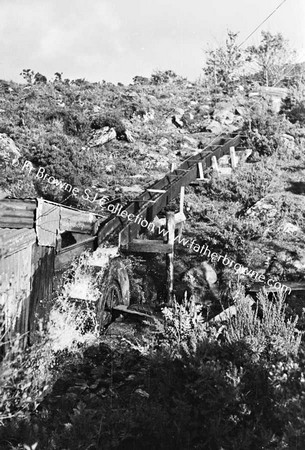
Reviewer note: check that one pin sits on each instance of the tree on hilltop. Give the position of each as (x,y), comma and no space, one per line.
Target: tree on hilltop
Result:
(223,65)
(272,56)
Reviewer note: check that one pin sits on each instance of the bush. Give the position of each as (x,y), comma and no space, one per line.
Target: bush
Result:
(262,128)
(266,329)
(294,110)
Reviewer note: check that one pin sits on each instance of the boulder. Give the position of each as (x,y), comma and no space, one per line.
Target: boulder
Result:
(214,127)
(287,141)
(148,116)
(109,169)
(201,280)
(263,210)
(224,113)
(190,141)
(224,116)
(163,142)
(129,137)
(8,150)
(290,228)
(103,136)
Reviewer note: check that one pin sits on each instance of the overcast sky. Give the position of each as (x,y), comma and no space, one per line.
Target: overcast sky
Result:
(114,40)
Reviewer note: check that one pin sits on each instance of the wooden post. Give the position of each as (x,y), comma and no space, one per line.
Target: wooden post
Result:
(182,191)
(170,226)
(215,164)
(233,157)
(200,170)
(172,167)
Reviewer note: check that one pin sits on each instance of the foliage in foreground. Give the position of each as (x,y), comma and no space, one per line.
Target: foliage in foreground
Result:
(26,375)
(237,385)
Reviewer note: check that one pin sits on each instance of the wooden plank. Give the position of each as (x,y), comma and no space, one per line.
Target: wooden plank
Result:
(181,202)
(123,309)
(200,171)
(159,191)
(66,255)
(147,246)
(233,157)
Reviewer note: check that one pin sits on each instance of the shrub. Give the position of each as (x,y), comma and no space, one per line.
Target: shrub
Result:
(294,110)
(265,328)
(262,128)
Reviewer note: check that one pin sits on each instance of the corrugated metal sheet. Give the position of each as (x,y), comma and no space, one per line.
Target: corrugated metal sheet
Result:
(27,266)
(15,288)
(12,240)
(16,213)
(47,223)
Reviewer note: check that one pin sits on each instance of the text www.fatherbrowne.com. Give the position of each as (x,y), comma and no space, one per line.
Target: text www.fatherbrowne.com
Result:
(192,245)
(200,249)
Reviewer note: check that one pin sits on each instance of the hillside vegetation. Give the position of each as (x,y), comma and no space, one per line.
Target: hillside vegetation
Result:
(176,382)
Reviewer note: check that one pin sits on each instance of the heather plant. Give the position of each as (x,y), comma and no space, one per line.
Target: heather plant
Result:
(263,127)
(265,327)
(182,322)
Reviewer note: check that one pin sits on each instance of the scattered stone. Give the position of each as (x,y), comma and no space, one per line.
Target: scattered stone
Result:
(179,112)
(191,141)
(109,169)
(201,280)
(3,194)
(209,272)
(299,263)
(163,142)
(290,228)
(287,141)
(142,393)
(224,160)
(187,117)
(129,137)
(263,210)
(215,127)
(103,136)
(148,116)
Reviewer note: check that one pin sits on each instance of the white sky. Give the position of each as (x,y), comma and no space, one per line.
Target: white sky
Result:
(115,40)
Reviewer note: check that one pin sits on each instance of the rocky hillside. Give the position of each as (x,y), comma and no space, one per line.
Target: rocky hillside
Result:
(115,140)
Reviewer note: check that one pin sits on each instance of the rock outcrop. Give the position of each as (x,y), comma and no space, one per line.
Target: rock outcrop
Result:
(9,152)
